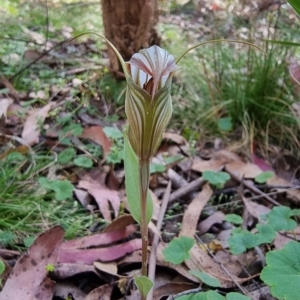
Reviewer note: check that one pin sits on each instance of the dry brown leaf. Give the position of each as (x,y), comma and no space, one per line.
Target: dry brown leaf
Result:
(62,289)
(103,197)
(103,292)
(256,210)
(176,138)
(66,270)
(292,194)
(119,223)
(281,240)
(192,213)
(28,280)
(216,218)
(4,104)
(243,170)
(171,288)
(206,165)
(109,268)
(200,259)
(96,134)
(32,126)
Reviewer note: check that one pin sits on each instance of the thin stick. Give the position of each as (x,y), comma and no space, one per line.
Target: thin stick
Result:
(251,187)
(242,289)
(155,241)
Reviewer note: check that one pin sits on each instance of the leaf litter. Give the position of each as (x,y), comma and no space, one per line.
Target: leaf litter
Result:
(113,252)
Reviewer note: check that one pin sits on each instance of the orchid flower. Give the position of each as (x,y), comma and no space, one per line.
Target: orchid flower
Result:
(148,103)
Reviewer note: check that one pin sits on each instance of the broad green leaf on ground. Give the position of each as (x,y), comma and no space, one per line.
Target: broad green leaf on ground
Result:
(28,241)
(66,156)
(240,242)
(178,250)
(217,179)
(264,176)
(205,278)
(157,168)
(225,124)
(72,129)
(233,218)
(279,218)
(6,237)
(236,296)
(113,133)
(83,161)
(131,165)
(282,271)
(144,285)
(266,233)
(63,188)
(210,295)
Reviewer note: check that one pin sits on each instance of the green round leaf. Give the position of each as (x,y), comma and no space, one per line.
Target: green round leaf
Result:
(264,176)
(144,285)
(236,296)
(240,242)
(233,218)
(28,241)
(205,278)
(66,156)
(178,250)
(216,178)
(83,161)
(279,218)
(225,124)
(282,271)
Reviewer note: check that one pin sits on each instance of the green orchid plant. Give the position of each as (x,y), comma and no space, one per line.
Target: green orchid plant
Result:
(148,108)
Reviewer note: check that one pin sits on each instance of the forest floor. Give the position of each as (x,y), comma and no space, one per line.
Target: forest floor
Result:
(225,178)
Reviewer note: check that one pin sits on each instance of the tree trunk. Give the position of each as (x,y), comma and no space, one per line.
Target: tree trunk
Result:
(130,26)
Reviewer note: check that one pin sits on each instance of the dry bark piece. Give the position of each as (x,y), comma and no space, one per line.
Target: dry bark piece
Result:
(119,223)
(243,170)
(29,277)
(109,268)
(65,270)
(216,218)
(192,213)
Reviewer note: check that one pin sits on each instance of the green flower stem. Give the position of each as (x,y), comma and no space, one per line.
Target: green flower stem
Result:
(144,170)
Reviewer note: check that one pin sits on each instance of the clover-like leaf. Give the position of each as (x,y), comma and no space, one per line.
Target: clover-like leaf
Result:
(279,218)
(66,156)
(157,168)
(217,179)
(264,176)
(63,188)
(83,161)
(233,218)
(241,241)
(178,250)
(282,271)
(266,233)
(205,278)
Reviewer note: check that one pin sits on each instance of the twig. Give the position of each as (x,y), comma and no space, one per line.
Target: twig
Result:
(252,187)
(241,288)
(152,259)
(188,292)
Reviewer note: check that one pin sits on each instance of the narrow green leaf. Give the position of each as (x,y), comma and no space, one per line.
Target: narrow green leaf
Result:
(132,183)
(296,5)
(205,278)
(144,284)
(2,267)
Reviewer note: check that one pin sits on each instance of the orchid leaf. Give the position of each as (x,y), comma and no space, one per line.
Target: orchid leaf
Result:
(132,183)
(144,285)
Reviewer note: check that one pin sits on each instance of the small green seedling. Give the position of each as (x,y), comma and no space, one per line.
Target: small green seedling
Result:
(50,267)
(218,179)
(264,176)
(178,250)
(63,188)
(2,269)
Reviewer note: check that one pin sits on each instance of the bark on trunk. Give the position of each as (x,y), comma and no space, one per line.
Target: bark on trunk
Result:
(130,26)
